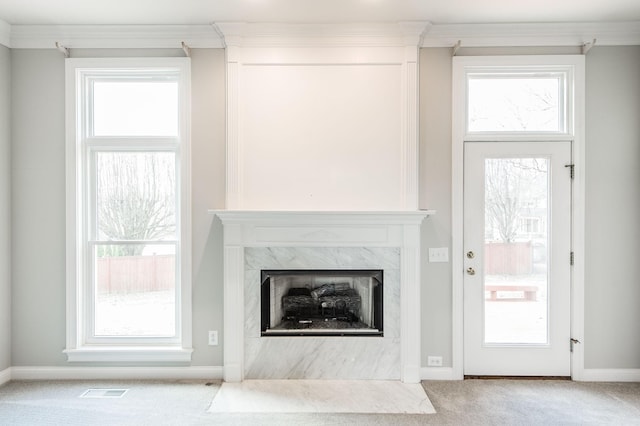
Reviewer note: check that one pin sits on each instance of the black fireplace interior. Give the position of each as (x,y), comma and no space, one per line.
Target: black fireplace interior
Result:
(321,302)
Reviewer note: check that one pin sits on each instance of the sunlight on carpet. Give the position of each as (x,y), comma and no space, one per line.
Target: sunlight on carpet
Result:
(321,396)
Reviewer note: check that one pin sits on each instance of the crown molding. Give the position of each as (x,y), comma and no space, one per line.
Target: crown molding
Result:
(542,34)
(414,33)
(114,36)
(5,33)
(322,35)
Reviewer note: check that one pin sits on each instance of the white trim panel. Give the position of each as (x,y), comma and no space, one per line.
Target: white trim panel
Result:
(438,373)
(610,375)
(5,33)
(578,194)
(5,376)
(248,64)
(132,354)
(116,373)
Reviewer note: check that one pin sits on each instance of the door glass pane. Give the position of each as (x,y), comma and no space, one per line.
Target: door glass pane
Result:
(516,250)
(135,108)
(508,103)
(135,290)
(135,196)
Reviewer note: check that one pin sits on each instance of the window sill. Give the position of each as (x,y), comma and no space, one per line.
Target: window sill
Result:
(129,354)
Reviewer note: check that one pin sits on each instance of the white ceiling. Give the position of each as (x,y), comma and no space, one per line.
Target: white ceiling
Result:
(69,12)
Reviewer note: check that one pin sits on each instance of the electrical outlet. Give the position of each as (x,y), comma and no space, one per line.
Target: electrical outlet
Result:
(440,254)
(434,361)
(213,338)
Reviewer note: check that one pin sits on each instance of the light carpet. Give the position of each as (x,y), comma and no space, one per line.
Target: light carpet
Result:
(322,396)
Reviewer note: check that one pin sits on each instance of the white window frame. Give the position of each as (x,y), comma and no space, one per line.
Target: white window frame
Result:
(574,66)
(81,346)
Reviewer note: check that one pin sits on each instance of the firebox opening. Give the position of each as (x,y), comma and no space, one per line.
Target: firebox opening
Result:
(321,302)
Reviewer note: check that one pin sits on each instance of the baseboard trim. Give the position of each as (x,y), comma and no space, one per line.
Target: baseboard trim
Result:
(437,373)
(610,375)
(115,373)
(5,376)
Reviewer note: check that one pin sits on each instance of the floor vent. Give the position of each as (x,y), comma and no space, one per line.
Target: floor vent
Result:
(104,393)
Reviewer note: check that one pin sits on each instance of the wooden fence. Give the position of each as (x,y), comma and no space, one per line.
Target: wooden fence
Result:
(136,274)
(508,258)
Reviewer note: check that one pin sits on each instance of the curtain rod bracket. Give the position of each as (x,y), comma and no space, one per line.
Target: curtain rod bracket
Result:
(456,47)
(187,49)
(587,46)
(63,50)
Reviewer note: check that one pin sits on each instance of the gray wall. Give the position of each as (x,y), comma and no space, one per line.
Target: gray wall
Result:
(612,286)
(612,283)
(38,320)
(5,209)
(38,198)
(208,192)
(435,193)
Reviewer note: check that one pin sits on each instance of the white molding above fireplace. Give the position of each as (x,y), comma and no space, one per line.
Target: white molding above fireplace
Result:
(244,229)
(306,130)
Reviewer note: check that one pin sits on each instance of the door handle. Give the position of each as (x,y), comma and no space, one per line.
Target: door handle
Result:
(471,271)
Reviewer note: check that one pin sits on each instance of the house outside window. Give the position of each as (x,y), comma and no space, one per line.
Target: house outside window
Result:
(128,202)
(529,225)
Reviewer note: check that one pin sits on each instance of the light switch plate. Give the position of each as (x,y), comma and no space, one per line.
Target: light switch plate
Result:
(434,361)
(440,254)
(213,338)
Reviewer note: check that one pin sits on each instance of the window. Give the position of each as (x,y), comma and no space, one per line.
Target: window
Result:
(128,179)
(518,100)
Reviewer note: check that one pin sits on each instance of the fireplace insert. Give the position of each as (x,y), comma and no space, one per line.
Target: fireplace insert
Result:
(321,302)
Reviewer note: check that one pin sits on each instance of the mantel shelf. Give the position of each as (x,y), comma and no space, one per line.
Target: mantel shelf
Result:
(322,217)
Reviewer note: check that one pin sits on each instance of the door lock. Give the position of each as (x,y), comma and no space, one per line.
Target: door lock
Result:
(470,255)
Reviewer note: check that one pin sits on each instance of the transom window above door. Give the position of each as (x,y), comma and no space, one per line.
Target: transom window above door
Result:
(507,101)
(516,102)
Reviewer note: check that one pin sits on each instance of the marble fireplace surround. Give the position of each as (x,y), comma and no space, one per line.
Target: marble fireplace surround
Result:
(255,240)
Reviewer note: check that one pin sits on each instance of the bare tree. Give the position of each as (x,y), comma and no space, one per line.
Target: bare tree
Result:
(525,106)
(135,198)
(509,183)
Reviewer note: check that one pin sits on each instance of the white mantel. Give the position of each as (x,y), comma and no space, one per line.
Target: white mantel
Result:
(331,230)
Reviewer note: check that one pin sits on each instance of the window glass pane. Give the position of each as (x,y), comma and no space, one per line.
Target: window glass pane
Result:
(135,108)
(135,195)
(135,290)
(516,250)
(515,104)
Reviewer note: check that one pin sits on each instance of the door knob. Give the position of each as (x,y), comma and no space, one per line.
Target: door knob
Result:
(470,255)
(471,271)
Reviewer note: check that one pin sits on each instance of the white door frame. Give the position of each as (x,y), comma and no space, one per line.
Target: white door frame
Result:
(576,135)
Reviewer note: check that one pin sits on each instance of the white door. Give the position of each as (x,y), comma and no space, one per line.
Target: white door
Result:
(517,233)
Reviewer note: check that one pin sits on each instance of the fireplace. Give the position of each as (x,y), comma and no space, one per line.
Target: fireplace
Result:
(382,247)
(321,302)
